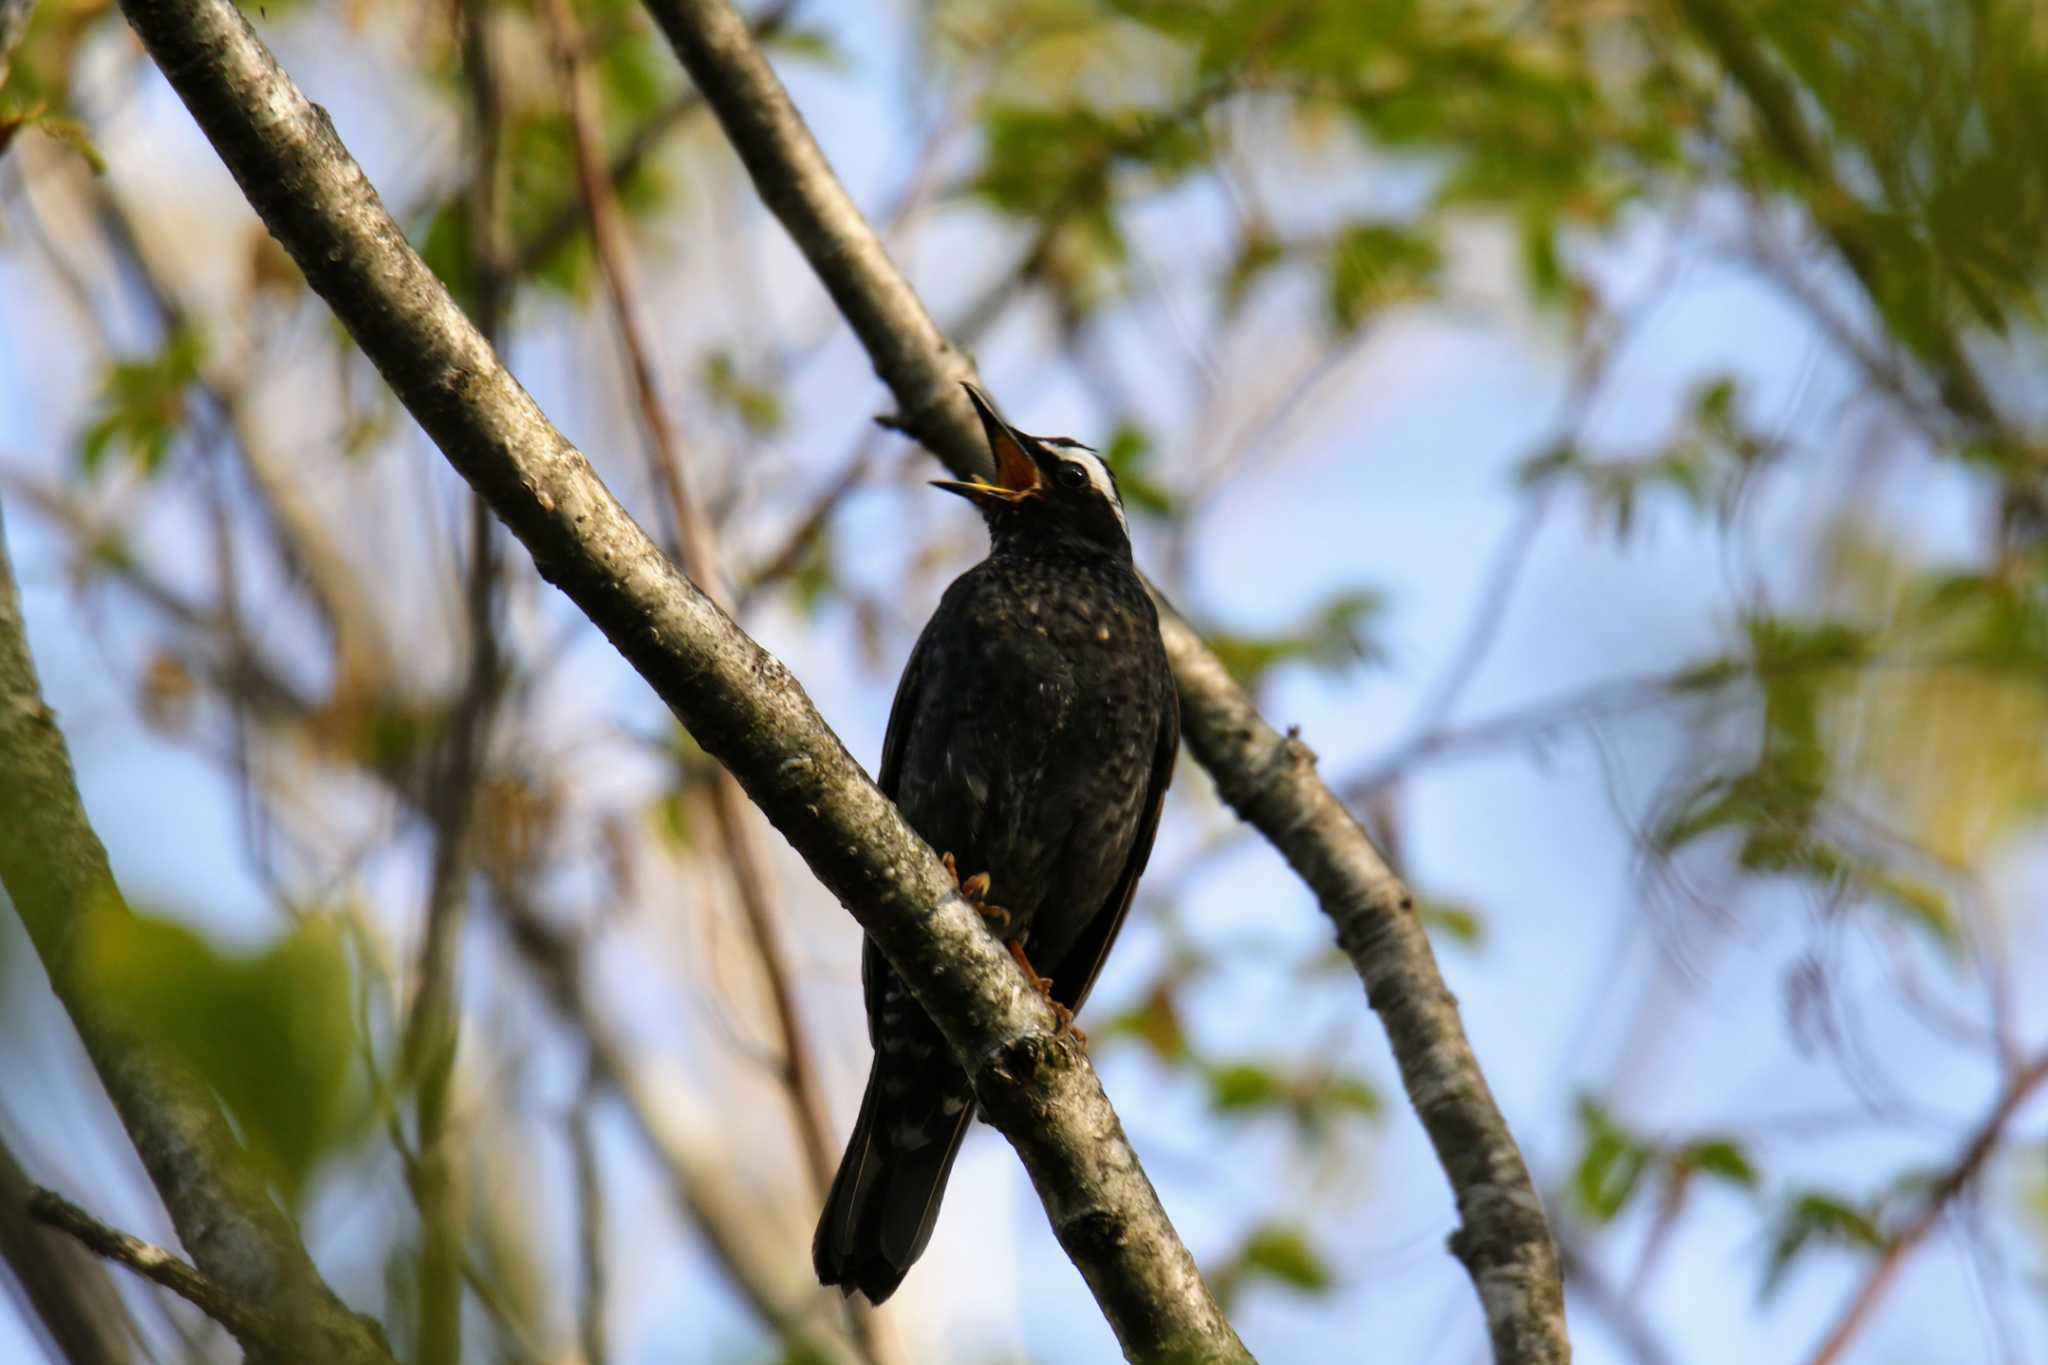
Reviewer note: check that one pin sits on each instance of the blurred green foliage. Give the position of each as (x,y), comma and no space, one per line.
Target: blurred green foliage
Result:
(1809,1219)
(1708,462)
(141,410)
(271,1033)
(1336,635)
(1614,1163)
(1278,1253)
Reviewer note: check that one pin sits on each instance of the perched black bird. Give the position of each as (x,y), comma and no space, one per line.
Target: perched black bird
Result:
(1032,739)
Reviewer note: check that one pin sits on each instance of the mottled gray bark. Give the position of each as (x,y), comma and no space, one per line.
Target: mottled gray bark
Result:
(55,871)
(1503,1238)
(737,701)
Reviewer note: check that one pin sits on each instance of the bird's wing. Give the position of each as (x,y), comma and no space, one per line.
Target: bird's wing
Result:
(874,968)
(901,711)
(1074,974)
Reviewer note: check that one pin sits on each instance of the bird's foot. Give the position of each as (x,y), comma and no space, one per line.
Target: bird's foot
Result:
(976,889)
(1043,985)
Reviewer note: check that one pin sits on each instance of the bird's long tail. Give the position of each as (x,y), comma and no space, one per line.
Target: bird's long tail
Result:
(885,1199)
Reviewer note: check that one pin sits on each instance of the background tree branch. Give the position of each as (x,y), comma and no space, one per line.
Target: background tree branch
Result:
(151,1262)
(56,873)
(739,702)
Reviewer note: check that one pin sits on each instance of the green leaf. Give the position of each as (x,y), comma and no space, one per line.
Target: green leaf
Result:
(816,575)
(758,407)
(1611,1164)
(445,246)
(1348,1092)
(1457,921)
(1918,903)
(1283,1253)
(1546,464)
(1337,635)
(1238,1086)
(1376,265)
(1722,1158)
(815,45)
(1257,253)
(1129,456)
(140,409)
(669,814)
(1155,1022)
(271,1033)
(1810,1218)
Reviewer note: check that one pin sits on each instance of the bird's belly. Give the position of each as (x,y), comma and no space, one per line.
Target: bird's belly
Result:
(1039,787)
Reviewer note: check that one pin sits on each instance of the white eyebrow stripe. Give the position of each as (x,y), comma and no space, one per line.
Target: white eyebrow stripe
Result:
(1099,475)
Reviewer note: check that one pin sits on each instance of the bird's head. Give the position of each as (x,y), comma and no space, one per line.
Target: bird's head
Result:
(1046,487)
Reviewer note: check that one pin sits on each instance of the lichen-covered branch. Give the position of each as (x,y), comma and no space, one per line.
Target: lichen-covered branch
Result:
(740,703)
(1503,1238)
(55,871)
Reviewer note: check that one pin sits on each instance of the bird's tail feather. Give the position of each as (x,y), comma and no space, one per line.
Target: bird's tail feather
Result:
(883,1203)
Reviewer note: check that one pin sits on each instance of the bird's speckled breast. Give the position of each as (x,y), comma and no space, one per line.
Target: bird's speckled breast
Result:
(1034,735)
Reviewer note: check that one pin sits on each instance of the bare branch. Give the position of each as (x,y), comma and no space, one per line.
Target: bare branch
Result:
(631,156)
(728,1227)
(55,871)
(338,592)
(590,1237)
(433,1021)
(740,703)
(151,1262)
(696,550)
(1504,1241)
(1982,1145)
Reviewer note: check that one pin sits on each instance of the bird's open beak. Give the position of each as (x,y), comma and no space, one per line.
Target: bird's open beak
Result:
(1017,474)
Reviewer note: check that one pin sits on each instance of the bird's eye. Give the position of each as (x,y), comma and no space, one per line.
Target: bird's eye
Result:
(1072,475)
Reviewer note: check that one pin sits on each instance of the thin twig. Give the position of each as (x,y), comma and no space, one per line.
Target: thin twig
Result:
(641,144)
(432,1024)
(336,590)
(590,1235)
(1982,1145)
(696,548)
(151,1262)
(556,960)
(803,536)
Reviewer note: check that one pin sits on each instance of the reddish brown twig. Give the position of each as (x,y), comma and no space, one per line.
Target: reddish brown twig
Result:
(1984,1143)
(694,545)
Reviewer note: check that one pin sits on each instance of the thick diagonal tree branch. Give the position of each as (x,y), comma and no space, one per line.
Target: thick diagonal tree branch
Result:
(1504,1239)
(55,871)
(740,703)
